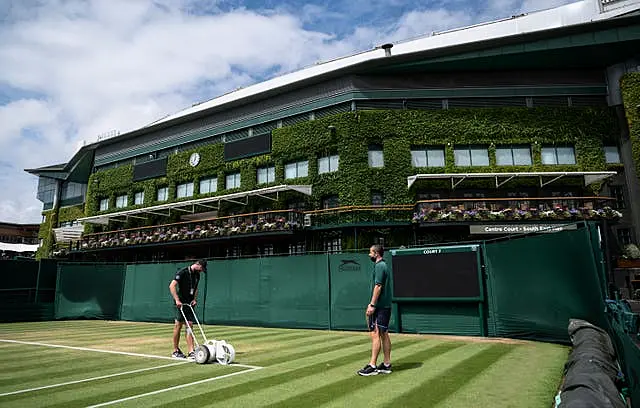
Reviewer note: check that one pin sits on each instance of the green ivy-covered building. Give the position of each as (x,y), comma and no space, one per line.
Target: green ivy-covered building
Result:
(510,126)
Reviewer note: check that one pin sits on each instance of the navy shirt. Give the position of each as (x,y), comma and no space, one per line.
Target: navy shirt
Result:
(187,281)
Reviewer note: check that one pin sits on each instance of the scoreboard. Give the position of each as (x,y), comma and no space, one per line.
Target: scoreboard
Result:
(451,272)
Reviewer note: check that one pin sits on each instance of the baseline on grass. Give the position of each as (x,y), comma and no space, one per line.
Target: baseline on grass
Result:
(101,377)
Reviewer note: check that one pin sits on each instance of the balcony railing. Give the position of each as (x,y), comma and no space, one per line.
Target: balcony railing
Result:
(427,211)
(260,222)
(375,214)
(524,209)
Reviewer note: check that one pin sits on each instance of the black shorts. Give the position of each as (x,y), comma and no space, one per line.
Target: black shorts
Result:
(187,312)
(381,318)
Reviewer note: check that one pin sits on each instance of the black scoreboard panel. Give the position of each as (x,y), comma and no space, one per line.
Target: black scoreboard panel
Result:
(150,169)
(436,275)
(248,147)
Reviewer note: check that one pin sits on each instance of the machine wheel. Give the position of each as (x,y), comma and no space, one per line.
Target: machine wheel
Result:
(202,355)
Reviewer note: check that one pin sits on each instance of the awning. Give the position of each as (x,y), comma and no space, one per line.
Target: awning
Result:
(18,247)
(589,176)
(68,233)
(189,206)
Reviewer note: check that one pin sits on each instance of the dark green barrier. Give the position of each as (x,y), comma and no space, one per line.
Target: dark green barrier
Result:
(18,280)
(90,291)
(629,358)
(146,293)
(350,281)
(536,284)
(455,318)
(274,291)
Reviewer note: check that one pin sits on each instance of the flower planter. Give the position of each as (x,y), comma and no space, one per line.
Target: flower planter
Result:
(628,263)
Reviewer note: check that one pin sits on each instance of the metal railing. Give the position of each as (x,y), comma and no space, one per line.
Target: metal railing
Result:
(516,208)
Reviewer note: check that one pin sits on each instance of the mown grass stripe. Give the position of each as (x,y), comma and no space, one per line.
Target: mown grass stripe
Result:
(232,391)
(433,391)
(125,387)
(294,356)
(313,343)
(330,391)
(62,373)
(42,362)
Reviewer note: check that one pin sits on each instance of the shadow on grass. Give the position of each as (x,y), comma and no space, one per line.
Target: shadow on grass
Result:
(406,366)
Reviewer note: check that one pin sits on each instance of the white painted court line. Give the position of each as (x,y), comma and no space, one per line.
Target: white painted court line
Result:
(173,388)
(110,351)
(33,343)
(90,379)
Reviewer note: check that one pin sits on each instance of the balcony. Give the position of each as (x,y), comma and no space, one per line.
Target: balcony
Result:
(515,209)
(361,216)
(262,222)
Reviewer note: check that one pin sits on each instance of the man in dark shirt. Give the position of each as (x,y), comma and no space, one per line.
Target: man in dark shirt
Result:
(184,290)
(379,314)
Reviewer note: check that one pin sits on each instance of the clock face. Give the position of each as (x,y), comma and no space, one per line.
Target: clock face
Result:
(194,159)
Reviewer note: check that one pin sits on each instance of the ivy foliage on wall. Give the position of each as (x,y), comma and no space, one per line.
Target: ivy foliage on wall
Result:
(46,233)
(630,87)
(351,134)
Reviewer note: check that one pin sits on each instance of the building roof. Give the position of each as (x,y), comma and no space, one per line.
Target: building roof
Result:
(477,37)
(580,12)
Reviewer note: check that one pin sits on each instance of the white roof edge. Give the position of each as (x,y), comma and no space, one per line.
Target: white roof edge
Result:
(590,176)
(583,11)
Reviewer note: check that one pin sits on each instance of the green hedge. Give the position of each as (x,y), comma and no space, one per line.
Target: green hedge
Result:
(630,87)
(397,131)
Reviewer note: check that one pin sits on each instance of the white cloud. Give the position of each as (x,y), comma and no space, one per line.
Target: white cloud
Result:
(119,64)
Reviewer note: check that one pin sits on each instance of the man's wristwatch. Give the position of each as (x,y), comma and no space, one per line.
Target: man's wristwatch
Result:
(372,305)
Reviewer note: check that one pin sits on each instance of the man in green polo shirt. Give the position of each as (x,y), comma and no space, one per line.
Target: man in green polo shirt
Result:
(378,314)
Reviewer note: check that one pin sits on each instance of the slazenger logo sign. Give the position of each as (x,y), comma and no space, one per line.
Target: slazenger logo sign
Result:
(349,265)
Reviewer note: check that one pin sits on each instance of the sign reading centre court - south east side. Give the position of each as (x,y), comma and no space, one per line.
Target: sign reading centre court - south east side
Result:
(443,272)
(519,228)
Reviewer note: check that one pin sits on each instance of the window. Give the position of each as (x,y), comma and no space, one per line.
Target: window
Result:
(612,154)
(330,202)
(266,174)
(558,155)
(138,198)
(333,245)
(377,198)
(296,170)
(72,190)
(104,204)
(46,189)
(376,157)
(297,249)
(517,201)
(429,196)
(121,201)
(617,192)
(163,194)
(233,181)
(513,156)
(429,157)
(473,204)
(471,156)
(208,185)
(328,164)
(184,190)
(266,250)
(624,236)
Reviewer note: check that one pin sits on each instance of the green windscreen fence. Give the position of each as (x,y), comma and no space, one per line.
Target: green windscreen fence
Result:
(146,296)
(89,291)
(537,283)
(274,291)
(27,290)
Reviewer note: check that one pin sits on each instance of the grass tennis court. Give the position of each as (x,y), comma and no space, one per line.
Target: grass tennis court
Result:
(273,368)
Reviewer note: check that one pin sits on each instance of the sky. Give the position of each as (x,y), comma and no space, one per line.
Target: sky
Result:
(71,70)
